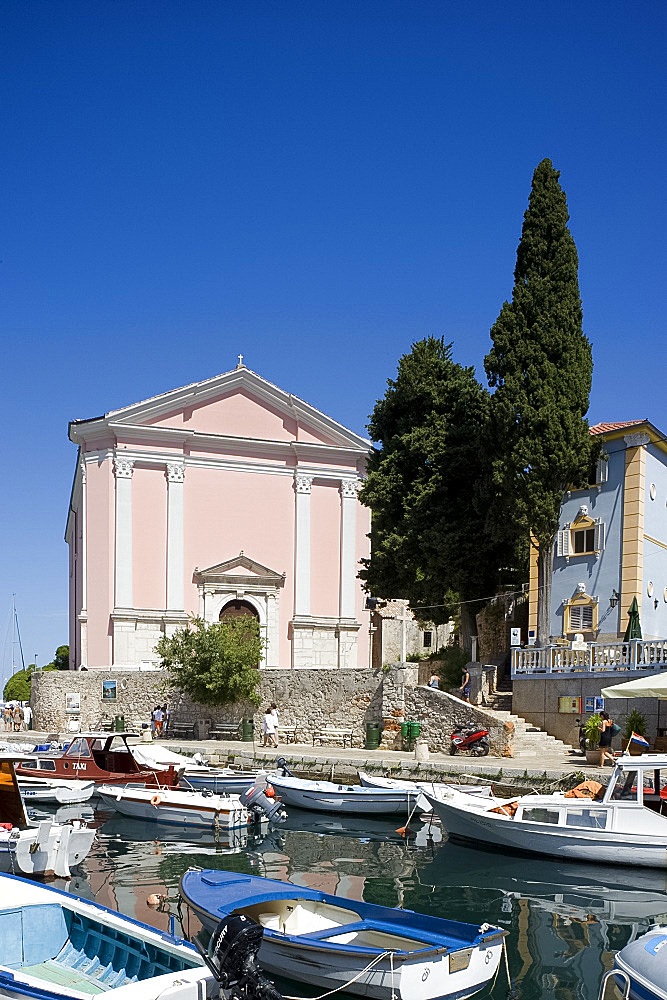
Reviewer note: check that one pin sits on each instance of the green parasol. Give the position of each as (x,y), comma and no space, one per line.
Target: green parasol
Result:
(634,629)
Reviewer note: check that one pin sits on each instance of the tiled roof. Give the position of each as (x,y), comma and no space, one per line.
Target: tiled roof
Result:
(619,425)
(393,608)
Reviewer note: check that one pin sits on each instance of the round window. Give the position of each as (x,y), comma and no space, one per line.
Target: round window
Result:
(652,491)
(649,589)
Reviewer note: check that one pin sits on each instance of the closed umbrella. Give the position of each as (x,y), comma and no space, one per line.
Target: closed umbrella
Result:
(634,629)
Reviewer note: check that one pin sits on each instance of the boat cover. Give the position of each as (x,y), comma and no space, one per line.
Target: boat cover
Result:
(645,961)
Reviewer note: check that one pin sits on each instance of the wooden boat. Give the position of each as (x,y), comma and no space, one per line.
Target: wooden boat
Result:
(625,825)
(333,942)
(44,848)
(643,962)
(179,807)
(195,771)
(328,796)
(432,787)
(104,759)
(55,946)
(57,790)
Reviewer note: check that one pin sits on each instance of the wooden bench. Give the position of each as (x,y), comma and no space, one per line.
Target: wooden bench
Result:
(328,734)
(287,734)
(180,729)
(225,731)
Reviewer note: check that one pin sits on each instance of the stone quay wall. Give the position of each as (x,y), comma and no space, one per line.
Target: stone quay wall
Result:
(307,698)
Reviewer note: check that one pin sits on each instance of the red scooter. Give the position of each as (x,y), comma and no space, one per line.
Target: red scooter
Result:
(474,741)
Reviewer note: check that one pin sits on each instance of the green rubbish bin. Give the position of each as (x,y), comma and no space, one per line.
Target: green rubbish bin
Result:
(372,735)
(119,723)
(405,730)
(415,730)
(248,730)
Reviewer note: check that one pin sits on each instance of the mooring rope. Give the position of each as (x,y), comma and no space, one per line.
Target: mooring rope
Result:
(373,962)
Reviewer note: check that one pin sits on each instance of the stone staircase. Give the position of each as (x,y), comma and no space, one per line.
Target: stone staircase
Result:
(529,741)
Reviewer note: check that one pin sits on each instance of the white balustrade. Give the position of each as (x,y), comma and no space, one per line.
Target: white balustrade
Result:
(637,654)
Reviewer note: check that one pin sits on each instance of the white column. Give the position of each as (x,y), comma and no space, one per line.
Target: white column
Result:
(348,547)
(302,485)
(123,472)
(84,540)
(175,569)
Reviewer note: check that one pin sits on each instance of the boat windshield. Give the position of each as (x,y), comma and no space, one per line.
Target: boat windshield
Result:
(625,788)
(78,748)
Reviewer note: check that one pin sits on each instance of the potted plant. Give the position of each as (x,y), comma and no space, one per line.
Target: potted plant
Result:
(634,723)
(593,733)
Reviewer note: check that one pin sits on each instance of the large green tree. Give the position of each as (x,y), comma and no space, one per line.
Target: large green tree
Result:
(541,367)
(215,664)
(429,540)
(19,685)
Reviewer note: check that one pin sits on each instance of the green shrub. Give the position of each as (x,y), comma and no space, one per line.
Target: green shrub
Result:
(634,723)
(453,660)
(592,731)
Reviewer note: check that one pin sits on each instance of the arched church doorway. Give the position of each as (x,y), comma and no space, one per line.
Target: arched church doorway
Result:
(237,609)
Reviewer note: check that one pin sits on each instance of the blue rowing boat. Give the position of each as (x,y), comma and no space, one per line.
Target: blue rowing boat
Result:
(334,942)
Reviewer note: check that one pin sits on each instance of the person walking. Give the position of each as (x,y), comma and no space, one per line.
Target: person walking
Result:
(606,726)
(166,716)
(270,727)
(465,684)
(27,717)
(159,719)
(434,682)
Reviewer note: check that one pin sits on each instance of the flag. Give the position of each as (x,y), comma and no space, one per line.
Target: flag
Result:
(636,738)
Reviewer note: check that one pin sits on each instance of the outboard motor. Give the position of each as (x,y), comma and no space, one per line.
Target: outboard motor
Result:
(260,804)
(281,764)
(232,958)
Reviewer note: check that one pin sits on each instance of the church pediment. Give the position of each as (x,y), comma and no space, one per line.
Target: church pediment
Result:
(238,404)
(239,568)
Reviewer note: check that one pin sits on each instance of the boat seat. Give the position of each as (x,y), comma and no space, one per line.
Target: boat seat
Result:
(379,927)
(269,920)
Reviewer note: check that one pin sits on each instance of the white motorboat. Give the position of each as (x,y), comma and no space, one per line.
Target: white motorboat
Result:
(195,770)
(181,807)
(435,788)
(627,825)
(329,796)
(44,848)
(57,946)
(58,790)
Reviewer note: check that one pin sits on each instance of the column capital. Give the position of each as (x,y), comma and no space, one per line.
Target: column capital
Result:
(349,488)
(302,484)
(123,467)
(175,472)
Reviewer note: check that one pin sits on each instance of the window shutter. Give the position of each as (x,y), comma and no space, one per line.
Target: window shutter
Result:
(599,536)
(602,470)
(587,616)
(563,542)
(575,617)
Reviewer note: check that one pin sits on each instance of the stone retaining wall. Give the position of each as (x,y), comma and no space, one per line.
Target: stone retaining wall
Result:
(439,713)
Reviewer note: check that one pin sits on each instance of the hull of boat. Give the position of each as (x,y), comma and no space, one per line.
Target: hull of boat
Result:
(48,849)
(177,812)
(644,961)
(604,847)
(54,946)
(435,788)
(219,784)
(325,796)
(433,963)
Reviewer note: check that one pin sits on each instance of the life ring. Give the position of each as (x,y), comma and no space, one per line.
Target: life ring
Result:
(156,800)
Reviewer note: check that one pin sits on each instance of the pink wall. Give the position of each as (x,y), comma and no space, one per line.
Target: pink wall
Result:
(363,552)
(100,560)
(149,538)
(325,549)
(236,414)
(225,511)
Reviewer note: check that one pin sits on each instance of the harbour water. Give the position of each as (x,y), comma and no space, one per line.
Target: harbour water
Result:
(565,919)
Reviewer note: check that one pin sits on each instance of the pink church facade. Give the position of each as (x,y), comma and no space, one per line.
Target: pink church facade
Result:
(226,494)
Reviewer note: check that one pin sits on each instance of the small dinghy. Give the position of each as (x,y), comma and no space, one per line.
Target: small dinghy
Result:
(643,965)
(434,788)
(43,848)
(331,797)
(55,946)
(195,770)
(57,790)
(337,943)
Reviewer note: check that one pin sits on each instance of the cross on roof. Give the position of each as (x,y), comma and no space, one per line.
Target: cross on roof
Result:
(240,364)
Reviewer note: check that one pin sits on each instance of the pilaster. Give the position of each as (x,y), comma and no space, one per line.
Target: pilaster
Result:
(84,540)
(175,475)
(632,558)
(123,541)
(348,547)
(302,488)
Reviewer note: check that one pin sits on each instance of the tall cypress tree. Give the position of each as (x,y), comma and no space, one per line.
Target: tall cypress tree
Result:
(428,539)
(541,367)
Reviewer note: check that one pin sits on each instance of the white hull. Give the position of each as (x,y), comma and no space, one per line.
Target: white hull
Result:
(176,807)
(415,979)
(47,849)
(433,788)
(55,790)
(326,796)
(606,847)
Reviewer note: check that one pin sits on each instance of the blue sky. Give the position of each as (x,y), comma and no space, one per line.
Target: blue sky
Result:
(316,185)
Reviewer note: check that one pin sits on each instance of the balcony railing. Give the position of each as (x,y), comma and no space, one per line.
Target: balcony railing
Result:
(637,654)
